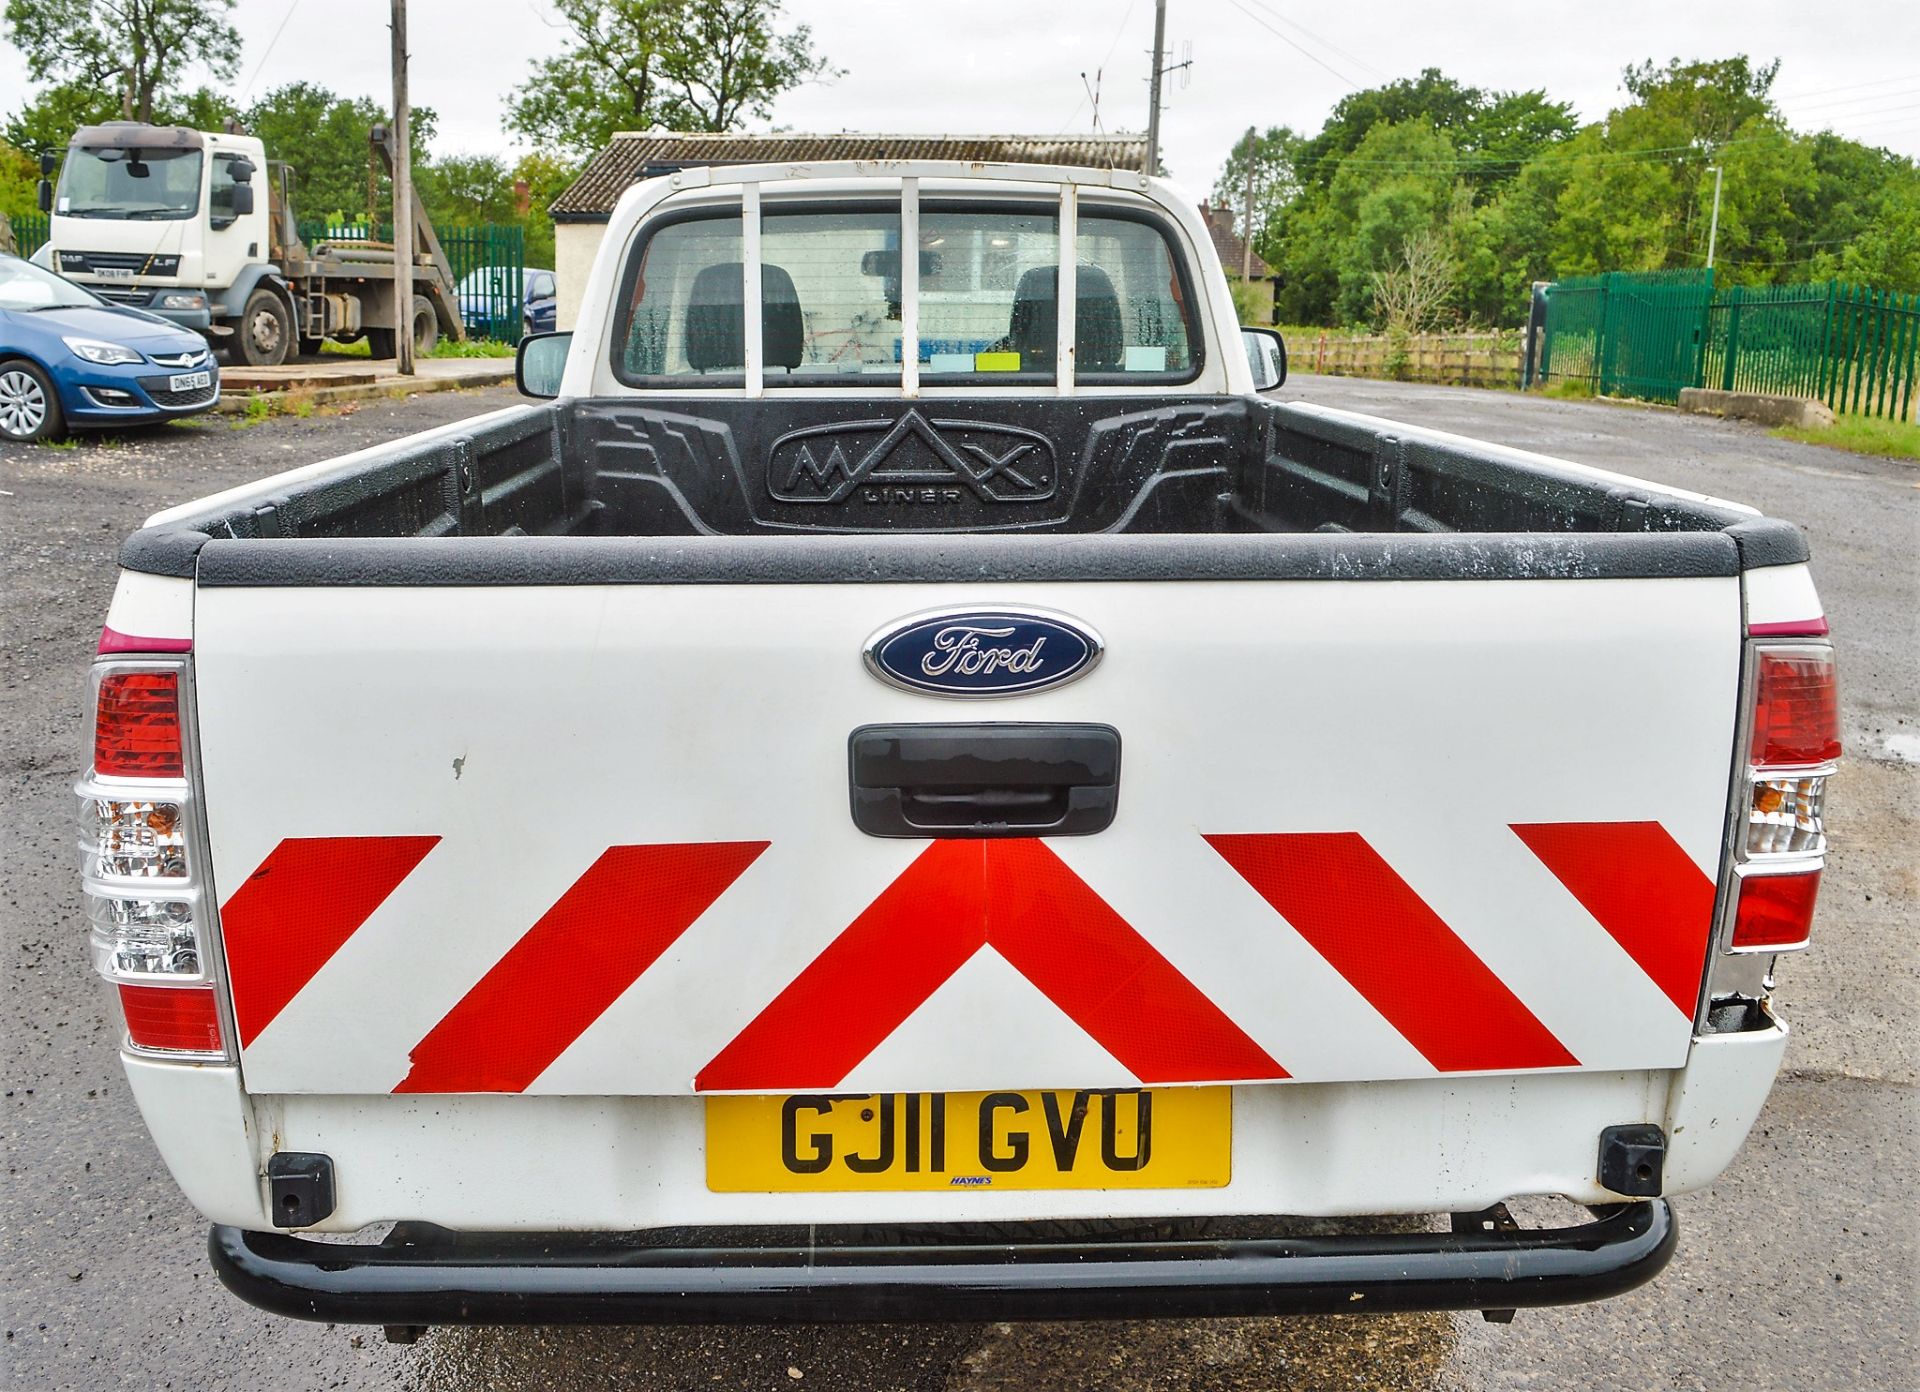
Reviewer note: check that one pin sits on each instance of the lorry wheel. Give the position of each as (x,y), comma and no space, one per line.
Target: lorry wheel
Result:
(29,406)
(426,326)
(266,330)
(379,343)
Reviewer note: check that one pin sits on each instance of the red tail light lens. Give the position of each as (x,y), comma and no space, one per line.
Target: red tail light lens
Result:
(136,731)
(180,1018)
(1775,911)
(1796,713)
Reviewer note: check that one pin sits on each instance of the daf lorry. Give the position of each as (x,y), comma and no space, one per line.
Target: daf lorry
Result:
(168,220)
(907,784)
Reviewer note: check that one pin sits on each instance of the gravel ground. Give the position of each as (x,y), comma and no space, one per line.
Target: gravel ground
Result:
(1796,1271)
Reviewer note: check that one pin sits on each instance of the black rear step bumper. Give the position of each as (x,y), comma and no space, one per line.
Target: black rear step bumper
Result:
(568,1281)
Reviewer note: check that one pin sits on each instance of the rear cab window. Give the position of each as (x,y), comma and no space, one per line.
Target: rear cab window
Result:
(834,287)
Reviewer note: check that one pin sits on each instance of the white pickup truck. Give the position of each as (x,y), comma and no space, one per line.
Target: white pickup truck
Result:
(911,789)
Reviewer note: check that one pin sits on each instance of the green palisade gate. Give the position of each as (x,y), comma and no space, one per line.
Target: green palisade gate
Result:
(1650,334)
(30,231)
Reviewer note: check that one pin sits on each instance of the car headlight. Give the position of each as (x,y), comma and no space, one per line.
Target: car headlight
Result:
(183,301)
(106,354)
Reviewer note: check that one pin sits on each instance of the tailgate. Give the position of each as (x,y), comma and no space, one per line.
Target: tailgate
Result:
(597,840)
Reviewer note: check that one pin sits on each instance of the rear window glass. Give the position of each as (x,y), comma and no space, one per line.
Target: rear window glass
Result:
(831,299)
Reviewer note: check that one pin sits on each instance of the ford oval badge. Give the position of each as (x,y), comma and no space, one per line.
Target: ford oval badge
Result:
(982,652)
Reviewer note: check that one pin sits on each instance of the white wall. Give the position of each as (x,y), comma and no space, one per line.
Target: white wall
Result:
(575,244)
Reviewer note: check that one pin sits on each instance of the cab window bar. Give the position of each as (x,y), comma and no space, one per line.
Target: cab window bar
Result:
(1066,291)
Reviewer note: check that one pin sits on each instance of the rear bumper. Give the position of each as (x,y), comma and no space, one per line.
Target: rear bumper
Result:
(567,1281)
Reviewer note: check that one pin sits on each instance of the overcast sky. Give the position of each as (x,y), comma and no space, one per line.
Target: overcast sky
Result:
(991,66)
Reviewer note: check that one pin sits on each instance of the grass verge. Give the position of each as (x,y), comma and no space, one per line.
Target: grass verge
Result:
(1861,435)
(445,348)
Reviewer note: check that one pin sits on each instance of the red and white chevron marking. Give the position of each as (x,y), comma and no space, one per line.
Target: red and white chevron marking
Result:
(1424,1000)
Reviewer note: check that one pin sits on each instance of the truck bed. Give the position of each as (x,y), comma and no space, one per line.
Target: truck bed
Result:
(1195,487)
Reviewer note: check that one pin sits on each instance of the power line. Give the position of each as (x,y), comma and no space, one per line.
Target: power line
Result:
(1066,126)
(1298,48)
(1327,44)
(248,89)
(1854,100)
(1845,87)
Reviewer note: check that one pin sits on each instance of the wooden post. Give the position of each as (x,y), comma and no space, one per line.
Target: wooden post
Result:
(1246,218)
(402,201)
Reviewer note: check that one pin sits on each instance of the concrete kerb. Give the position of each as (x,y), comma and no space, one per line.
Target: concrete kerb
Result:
(1759,407)
(461,373)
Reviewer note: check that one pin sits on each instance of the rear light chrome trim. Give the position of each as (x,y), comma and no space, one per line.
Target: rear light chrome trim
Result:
(1748,971)
(197,885)
(1794,866)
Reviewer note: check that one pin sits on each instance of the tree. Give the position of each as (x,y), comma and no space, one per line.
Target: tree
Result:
(1411,294)
(137,49)
(728,61)
(324,136)
(1887,255)
(19,178)
(50,119)
(1709,100)
(547,177)
(467,189)
(1274,182)
(636,64)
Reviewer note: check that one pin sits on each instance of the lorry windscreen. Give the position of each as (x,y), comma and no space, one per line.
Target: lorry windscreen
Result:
(130,184)
(834,292)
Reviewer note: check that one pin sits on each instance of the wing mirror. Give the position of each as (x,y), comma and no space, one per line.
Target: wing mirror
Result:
(1266,356)
(48,163)
(242,200)
(540,363)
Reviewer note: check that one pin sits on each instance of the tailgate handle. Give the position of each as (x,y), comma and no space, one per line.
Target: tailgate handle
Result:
(984,779)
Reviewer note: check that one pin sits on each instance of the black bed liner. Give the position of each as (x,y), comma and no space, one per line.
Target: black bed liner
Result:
(625,491)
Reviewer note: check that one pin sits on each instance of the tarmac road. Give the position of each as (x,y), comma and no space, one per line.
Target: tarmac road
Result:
(1796,1271)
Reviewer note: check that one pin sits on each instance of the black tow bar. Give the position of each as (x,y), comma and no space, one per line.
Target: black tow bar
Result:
(565,1279)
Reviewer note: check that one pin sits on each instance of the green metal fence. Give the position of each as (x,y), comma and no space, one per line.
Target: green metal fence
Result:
(1651,334)
(487,261)
(30,231)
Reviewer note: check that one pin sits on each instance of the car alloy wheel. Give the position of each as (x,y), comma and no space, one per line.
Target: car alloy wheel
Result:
(23,405)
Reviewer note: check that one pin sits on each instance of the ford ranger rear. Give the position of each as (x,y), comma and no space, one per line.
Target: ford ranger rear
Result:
(909,786)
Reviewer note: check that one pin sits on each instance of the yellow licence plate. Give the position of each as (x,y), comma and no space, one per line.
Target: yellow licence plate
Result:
(1127,1138)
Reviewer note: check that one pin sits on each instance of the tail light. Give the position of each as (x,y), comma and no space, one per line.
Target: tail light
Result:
(142,870)
(1793,741)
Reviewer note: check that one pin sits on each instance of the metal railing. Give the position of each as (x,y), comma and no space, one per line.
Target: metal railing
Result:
(487,261)
(30,231)
(1652,334)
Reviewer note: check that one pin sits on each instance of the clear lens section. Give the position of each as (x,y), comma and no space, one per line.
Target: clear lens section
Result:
(143,937)
(137,839)
(1788,816)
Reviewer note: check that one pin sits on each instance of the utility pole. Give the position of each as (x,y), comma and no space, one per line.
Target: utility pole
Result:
(1246,217)
(1160,69)
(402,201)
(1713,227)
(1153,85)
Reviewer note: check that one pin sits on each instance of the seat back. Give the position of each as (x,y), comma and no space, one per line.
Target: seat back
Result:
(1034,329)
(716,319)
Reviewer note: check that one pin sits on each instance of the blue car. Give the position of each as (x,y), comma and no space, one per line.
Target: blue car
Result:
(486,300)
(69,359)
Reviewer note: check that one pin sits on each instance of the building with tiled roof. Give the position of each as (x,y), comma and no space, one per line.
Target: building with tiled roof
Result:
(580,214)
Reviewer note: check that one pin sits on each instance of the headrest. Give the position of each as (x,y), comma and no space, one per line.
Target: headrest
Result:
(1098,339)
(716,323)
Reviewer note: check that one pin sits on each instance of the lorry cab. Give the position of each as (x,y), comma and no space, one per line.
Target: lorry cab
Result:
(155,217)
